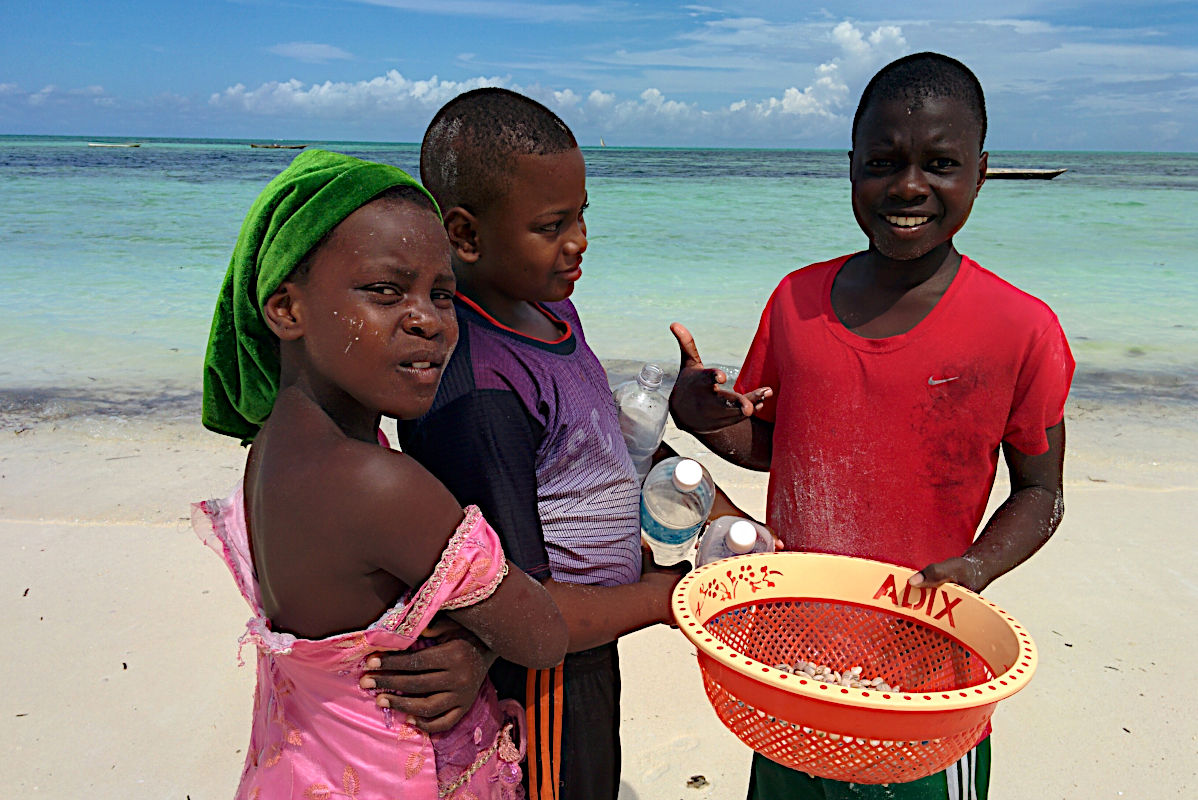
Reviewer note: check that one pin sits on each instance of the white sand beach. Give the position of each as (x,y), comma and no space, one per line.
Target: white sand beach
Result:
(120,671)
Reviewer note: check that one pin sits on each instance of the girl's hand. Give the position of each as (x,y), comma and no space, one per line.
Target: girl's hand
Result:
(699,403)
(433,687)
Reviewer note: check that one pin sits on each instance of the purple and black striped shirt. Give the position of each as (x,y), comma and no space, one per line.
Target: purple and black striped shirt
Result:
(527,430)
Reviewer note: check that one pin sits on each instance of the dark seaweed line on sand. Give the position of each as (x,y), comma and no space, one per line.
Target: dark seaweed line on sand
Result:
(23,407)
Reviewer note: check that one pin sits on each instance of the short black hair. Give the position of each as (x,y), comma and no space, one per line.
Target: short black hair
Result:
(920,76)
(395,195)
(470,147)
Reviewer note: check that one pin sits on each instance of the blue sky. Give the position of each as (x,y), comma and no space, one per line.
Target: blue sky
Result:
(1058,75)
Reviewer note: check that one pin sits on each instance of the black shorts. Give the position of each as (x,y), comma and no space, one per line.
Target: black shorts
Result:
(573,724)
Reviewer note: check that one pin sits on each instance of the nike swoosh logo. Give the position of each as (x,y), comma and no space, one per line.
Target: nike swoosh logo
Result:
(933,381)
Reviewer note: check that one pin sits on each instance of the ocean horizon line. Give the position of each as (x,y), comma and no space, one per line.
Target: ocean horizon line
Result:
(316,142)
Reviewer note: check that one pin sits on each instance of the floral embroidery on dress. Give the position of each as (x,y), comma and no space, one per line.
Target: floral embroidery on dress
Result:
(273,753)
(479,594)
(350,783)
(456,572)
(405,621)
(480,568)
(407,733)
(356,648)
(283,686)
(503,748)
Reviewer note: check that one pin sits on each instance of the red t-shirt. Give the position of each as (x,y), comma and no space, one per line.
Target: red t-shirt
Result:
(887,448)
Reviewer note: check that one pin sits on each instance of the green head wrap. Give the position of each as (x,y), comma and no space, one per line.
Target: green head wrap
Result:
(294,212)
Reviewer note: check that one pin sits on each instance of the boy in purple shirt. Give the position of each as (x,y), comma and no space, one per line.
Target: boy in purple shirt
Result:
(525,427)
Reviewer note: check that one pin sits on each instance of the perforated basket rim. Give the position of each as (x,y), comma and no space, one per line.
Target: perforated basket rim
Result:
(999,687)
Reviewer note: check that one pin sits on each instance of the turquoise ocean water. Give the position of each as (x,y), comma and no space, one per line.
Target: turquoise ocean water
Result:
(110,258)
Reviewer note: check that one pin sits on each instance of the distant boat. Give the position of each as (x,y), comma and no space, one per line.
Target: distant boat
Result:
(1015,173)
(281,146)
(114,144)
(601,142)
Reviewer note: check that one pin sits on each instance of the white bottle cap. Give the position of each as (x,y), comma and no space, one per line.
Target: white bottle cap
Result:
(742,536)
(688,474)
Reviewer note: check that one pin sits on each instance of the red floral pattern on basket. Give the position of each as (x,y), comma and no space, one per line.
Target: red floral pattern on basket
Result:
(725,587)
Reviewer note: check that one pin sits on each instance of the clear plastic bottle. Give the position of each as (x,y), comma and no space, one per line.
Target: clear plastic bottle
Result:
(732,536)
(675,501)
(643,414)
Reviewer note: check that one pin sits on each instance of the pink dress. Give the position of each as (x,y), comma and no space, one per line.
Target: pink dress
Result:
(317,735)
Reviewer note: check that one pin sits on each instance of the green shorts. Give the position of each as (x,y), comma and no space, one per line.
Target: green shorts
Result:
(968,779)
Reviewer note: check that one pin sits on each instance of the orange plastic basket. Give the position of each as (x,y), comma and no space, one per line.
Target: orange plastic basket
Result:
(953,653)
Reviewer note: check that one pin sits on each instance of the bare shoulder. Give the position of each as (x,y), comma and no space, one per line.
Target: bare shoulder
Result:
(376,508)
(400,515)
(374,482)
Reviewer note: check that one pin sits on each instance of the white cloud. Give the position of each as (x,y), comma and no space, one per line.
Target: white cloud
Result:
(52,98)
(566,98)
(850,39)
(1124,103)
(828,95)
(864,53)
(312,52)
(692,73)
(655,100)
(652,115)
(1024,27)
(41,97)
(600,100)
(1168,131)
(823,66)
(520,12)
(385,94)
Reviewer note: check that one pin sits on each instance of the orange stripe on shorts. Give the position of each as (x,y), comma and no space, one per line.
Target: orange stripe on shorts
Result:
(544,732)
(531,714)
(558,714)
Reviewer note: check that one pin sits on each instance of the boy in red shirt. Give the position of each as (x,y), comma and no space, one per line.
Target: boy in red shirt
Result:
(891,378)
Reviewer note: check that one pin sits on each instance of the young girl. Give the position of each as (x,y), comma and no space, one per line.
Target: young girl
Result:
(338,308)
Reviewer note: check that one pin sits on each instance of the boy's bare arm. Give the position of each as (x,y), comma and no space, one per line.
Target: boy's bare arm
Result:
(596,615)
(749,443)
(435,686)
(1021,525)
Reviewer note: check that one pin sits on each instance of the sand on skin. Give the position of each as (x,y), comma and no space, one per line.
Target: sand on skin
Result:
(121,676)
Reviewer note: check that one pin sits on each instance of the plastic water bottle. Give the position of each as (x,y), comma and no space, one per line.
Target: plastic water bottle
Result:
(732,536)
(675,502)
(643,414)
